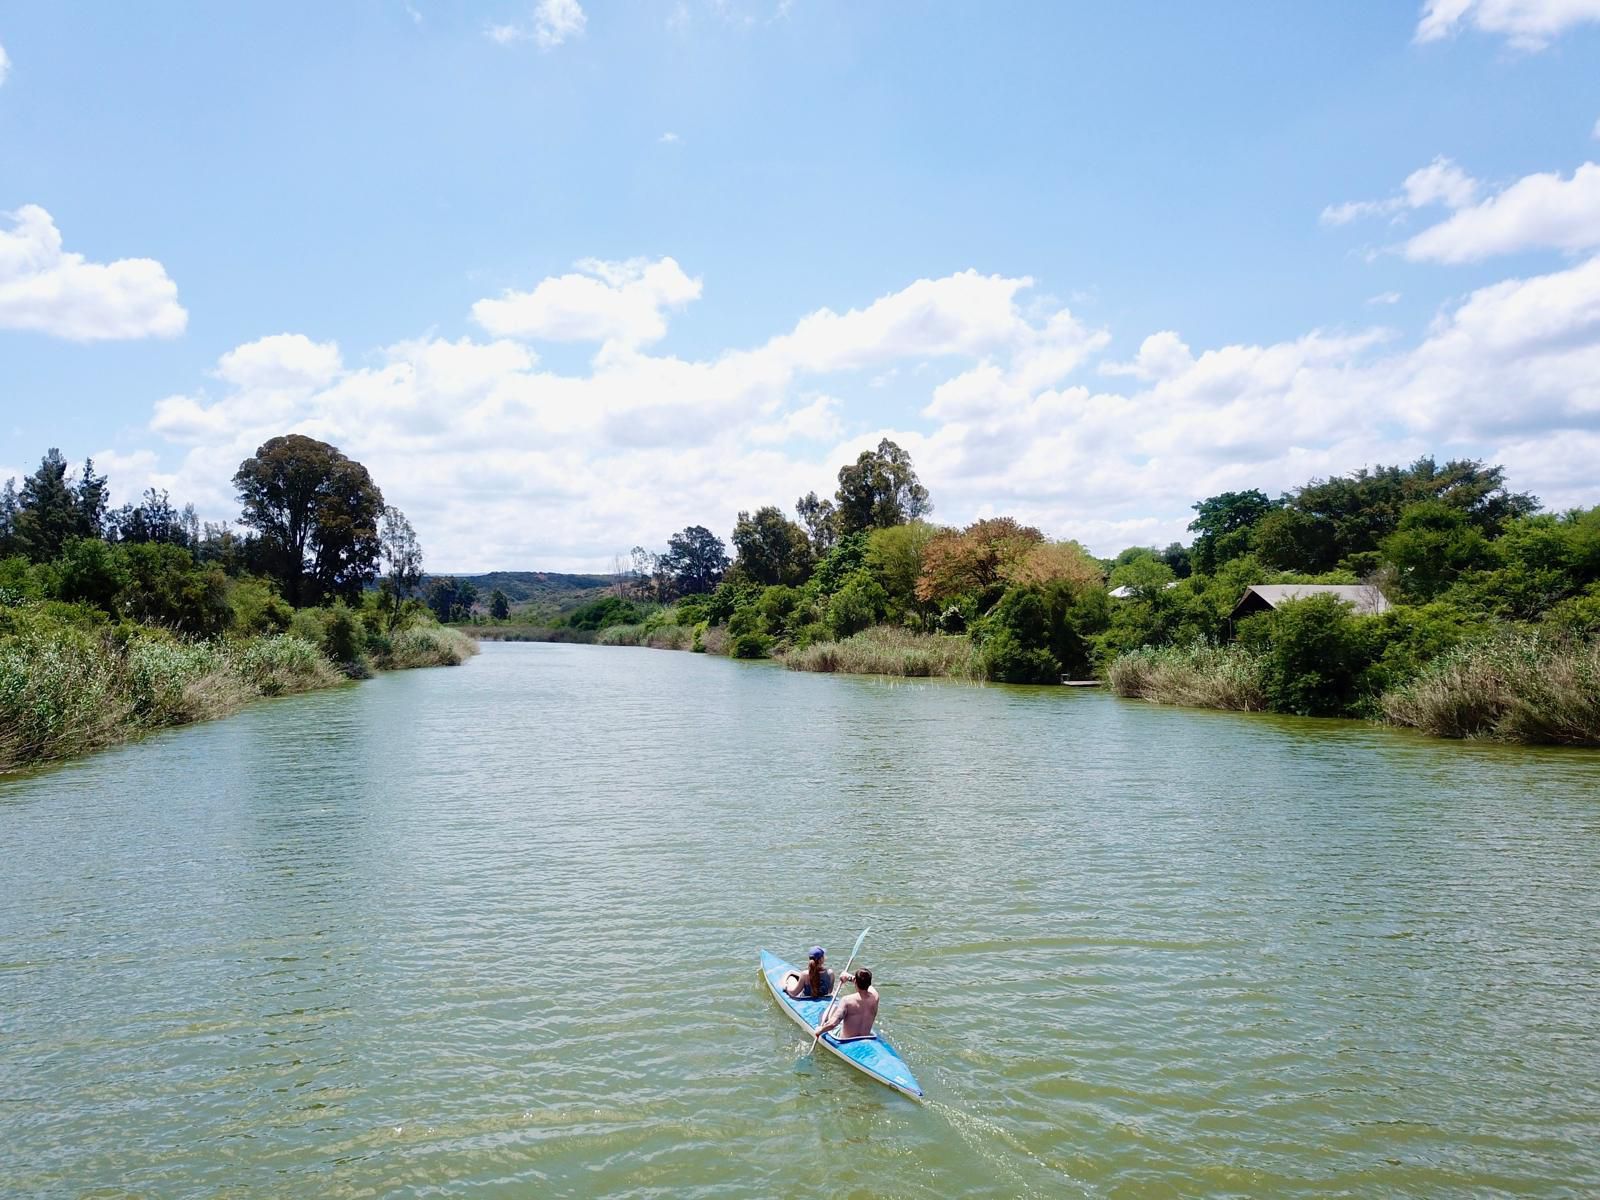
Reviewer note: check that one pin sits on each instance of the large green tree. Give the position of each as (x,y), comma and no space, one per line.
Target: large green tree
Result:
(879,489)
(770,548)
(315,513)
(1222,527)
(49,509)
(695,561)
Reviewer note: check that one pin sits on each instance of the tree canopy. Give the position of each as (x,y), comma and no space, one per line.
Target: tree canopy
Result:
(879,489)
(315,513)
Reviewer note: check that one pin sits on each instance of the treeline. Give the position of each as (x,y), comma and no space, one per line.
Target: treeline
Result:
(1474,574)
(117,620)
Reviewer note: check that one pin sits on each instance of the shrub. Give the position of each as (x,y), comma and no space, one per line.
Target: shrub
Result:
(159,670)
(285,663)
(1317,654)
(58,693)
(428,646)
(861,602)
(749,645)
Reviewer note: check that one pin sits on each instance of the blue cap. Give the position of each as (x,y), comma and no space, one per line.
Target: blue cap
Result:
(817,952)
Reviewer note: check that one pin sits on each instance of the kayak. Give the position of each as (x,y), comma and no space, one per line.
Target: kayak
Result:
(872,1056)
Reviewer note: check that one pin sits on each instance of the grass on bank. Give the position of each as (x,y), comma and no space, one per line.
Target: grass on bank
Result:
(1199,675)
(888,650)
(1523,686)
(71,683)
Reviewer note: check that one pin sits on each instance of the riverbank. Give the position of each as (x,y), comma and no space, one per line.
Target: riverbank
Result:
(1523,686)
(72,683)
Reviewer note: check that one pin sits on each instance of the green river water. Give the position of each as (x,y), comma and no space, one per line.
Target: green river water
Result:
(492,931)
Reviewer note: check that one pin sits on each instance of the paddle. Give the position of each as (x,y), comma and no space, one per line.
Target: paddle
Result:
(838,982)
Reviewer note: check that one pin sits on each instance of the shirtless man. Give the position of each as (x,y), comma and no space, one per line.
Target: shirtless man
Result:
(856,1013)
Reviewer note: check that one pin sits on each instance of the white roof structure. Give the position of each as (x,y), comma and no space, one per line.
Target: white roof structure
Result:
(1367,600)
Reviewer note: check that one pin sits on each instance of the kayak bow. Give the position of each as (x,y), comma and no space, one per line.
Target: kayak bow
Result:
(872,1056)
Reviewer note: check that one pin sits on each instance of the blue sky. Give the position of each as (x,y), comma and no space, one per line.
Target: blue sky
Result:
(568,275)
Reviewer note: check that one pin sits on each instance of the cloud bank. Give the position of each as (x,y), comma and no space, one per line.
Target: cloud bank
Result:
(999,396)
(45,289)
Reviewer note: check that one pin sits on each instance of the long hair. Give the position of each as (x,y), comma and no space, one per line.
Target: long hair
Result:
(815,968)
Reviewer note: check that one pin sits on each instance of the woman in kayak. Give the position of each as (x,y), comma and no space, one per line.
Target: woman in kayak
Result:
(816,983)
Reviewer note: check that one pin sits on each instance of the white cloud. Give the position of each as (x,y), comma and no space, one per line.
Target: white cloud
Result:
(554,22)
(1384,298)
(669,138)
(1537,211)
(1440,182)
(557,20)
(621,302)
(1526,24)
(285,360)
(1595,132)
(46,289)
(503,462)
(1161,356)
(5,64)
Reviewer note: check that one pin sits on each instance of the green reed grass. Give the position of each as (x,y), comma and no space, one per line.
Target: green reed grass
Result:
(888,650)
(1520,686)
(1199,675)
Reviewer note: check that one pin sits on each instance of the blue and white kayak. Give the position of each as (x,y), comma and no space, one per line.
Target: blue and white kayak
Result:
(870,1055)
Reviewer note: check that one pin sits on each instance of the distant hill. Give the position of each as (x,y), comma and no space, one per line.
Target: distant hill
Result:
(546,589)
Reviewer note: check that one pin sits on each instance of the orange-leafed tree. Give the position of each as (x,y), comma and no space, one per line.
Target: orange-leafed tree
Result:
(974,562)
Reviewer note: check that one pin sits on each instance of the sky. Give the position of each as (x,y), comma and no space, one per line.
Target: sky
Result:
(570,275)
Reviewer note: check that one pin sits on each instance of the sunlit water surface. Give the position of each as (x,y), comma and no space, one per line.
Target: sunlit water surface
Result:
(492,931)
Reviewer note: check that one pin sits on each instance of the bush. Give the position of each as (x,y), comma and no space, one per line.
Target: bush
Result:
(257,608)
(603,613)
(749,645)
(1317,654)
(860,603)
(284,664)
(58,692)
(428,646)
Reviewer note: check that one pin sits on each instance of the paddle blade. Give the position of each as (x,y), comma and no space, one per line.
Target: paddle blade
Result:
(856,949)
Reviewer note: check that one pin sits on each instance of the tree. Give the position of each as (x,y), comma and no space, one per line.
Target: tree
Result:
(880,489)
(971,564)
(1434,544)
(402,553)
(316,513)
(92,499)
(153,519)
(8,518)
(821,521)
(771,548)
(695,561)
(1223,524)
(499,606)
(47,510)
(451,599)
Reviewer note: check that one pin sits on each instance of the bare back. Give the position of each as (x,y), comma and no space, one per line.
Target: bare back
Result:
(860,1011)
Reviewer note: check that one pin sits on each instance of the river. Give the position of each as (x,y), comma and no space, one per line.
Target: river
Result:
(492,931)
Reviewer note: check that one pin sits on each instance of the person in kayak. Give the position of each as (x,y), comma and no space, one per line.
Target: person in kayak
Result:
(856,1013)
(816,983)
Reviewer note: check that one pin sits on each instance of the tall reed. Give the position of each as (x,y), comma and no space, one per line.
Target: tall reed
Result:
(1199,675)
(888,650)
(1520,686)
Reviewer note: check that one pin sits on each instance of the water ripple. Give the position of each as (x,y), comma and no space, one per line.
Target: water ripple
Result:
(492,932)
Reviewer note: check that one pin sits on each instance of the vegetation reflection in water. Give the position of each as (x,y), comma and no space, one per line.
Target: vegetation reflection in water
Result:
(495,930)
